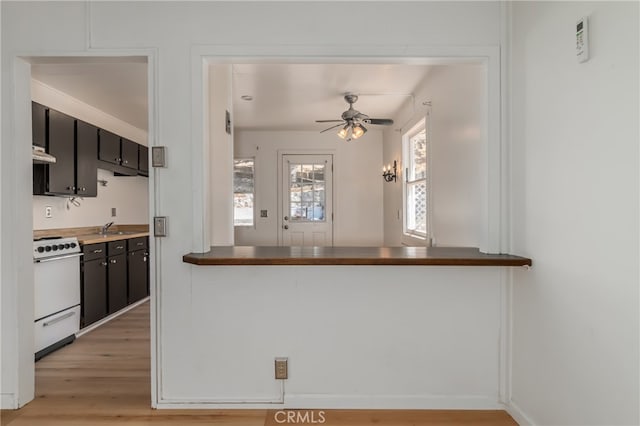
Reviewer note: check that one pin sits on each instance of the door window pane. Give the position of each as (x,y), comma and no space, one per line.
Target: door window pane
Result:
(306,192)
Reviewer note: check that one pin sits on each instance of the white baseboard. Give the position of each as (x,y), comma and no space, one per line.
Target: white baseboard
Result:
(518,415)
(371,402)
(7,401)
(111,317)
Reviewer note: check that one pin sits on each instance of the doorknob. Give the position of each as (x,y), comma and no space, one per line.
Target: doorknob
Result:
(286,218)
(285,227)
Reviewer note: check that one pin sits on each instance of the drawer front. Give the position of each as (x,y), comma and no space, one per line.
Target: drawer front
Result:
(56,327)
(94,251)
(139,243)
(117,247)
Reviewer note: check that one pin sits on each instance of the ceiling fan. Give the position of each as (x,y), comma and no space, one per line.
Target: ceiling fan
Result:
(353,121)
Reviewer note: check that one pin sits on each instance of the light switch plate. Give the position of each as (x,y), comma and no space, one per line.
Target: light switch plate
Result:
(582,39)
(160,226)
(159,156)
(47,212)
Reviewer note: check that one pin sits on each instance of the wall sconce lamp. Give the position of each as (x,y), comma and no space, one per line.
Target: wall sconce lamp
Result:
(390,174)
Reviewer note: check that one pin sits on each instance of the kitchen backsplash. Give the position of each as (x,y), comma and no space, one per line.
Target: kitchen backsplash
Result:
(127,194)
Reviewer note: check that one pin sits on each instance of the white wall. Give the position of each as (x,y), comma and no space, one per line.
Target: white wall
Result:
(357,183)
(457,124)
(128,194)
(221,151)
(575,212)
(357,337)
(182,295)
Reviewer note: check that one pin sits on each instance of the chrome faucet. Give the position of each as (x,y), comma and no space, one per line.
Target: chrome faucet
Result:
(106,227)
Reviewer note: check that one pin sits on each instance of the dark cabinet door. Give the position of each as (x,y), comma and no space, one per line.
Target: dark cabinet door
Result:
(137,263)
(109,147)
(86,159)
(94,291)
(117,280)
(143,160)
(129,154)
(61,179)
(39,124)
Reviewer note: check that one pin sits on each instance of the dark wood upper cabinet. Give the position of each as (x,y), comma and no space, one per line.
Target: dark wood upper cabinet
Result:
(129,154)
(86,159)
(61,174)
(109,147)
(143,160)
(80,149)
(39,124)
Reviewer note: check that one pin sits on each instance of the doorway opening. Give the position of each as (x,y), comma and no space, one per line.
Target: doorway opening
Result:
(103,105)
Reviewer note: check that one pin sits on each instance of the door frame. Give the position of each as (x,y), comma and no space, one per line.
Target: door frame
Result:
(20,268)
(280,192)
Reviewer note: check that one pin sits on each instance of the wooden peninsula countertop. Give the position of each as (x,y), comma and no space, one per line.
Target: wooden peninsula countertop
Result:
(443,256)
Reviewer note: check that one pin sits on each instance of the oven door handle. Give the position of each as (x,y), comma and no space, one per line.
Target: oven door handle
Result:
(51,259)
(60,318)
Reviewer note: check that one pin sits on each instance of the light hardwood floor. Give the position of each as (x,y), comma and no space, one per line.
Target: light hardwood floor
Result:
(103,379)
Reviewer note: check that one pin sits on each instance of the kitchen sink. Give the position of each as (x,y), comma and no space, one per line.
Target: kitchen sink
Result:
(108,233)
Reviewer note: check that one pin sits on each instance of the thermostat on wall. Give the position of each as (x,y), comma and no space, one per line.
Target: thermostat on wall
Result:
(582,39)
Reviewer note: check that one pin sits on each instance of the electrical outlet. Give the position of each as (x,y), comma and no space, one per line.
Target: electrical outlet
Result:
(282,370)
(113,212)
(47,212)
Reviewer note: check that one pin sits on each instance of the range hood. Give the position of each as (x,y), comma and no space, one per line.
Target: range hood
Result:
(40,156)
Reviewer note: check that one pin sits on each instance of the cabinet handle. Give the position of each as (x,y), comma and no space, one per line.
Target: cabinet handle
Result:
(119,247)
(71,188)
(103,263)
(83,189)
(145,259)
(113,261)
(139,244)
(98,251)
(126,162)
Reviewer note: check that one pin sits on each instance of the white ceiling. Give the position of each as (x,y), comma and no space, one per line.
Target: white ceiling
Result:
(285,96)
(293,96)
(117,86)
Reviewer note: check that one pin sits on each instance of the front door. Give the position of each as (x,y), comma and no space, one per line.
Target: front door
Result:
(307,194)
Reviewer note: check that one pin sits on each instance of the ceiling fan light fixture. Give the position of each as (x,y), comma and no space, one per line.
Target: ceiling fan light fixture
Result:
(358,130)
(342,133)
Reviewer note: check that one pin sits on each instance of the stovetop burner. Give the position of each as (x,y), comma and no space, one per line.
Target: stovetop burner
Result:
(55,246)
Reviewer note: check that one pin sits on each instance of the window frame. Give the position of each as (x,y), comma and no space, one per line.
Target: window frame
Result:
(410,235)
(253,213)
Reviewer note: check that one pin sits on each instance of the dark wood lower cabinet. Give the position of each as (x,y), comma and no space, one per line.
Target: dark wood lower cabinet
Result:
(117,282)
(137,263)
(94,291)
(113,275)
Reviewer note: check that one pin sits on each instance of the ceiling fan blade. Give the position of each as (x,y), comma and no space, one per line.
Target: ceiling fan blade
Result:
(379,121)
(329,121)
(332,127)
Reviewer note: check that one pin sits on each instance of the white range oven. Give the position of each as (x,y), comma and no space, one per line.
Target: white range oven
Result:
(56,268)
